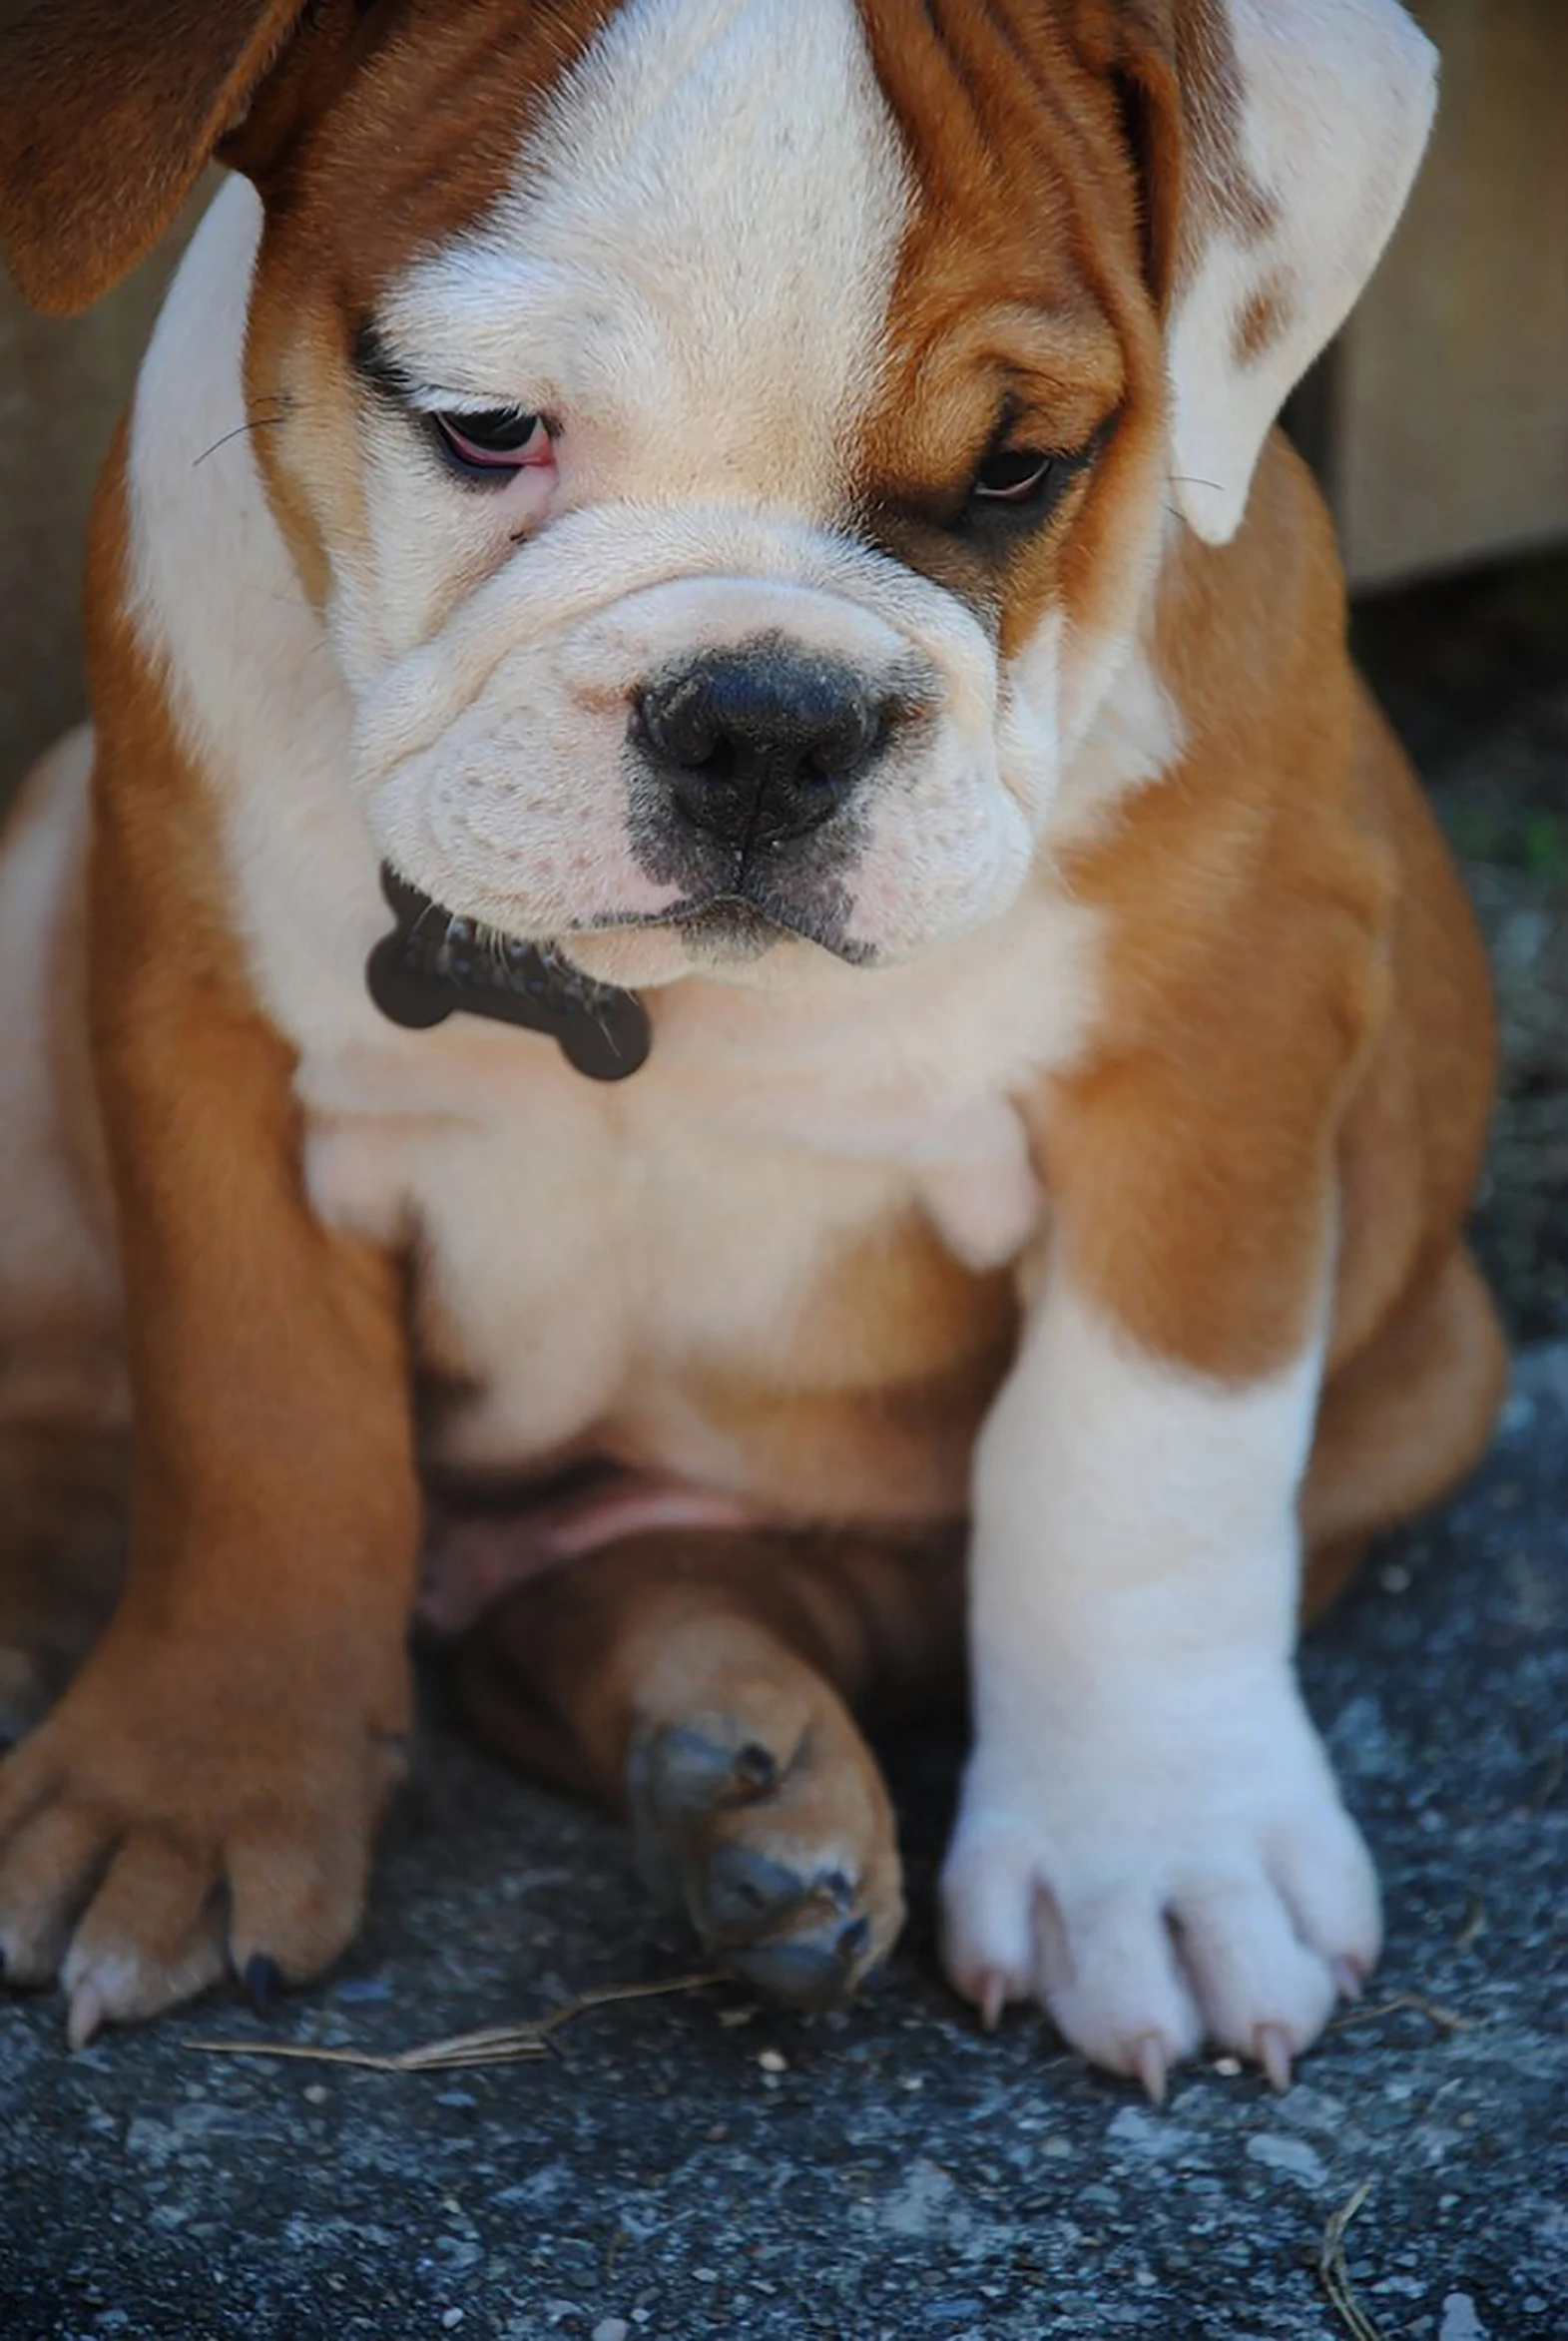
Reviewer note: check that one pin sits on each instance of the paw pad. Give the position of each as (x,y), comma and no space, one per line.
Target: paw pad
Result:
(754,1846)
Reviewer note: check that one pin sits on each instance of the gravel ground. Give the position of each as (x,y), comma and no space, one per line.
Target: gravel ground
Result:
(690,2166)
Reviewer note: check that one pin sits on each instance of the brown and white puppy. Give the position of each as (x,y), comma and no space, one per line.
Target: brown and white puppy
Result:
(778,504)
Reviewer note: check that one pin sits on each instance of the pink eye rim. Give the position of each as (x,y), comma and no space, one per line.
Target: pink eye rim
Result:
(496,445)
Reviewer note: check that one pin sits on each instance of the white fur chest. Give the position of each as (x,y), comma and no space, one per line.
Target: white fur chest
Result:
(585,1252)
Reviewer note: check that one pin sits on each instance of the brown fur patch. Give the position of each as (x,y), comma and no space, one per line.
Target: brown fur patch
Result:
(1252,908)
(1020,289)
(242,1309)
(1260,321)
(1175,65)
(107,115)
(1219,184)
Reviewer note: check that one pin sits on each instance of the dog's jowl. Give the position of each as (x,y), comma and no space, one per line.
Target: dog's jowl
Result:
(767,524)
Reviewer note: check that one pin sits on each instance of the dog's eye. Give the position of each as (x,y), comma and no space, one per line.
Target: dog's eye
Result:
(501,441)
(1016,475)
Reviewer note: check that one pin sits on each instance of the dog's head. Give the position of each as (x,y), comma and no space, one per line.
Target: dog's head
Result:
(730,442)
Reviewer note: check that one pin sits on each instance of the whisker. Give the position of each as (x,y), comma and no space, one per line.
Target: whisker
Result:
(257,422)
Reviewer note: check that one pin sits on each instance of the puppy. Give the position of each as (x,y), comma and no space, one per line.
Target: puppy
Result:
(757,531)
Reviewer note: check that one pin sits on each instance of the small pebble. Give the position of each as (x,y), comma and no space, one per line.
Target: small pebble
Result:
(771,2062)
(451,2318)
(1228,2066)
(611,2329)
(316,2094)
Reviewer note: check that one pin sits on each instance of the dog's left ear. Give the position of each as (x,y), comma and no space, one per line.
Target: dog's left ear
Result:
(1278,142)
(109,109)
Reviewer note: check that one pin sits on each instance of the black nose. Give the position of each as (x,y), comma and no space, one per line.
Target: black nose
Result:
(760,745)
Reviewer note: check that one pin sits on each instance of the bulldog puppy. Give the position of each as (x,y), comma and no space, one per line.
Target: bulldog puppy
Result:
(765,522)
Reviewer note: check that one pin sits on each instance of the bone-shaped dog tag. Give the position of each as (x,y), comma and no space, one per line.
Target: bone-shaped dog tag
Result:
(433,966)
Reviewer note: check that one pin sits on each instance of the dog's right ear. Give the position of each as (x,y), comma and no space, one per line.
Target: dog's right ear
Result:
(108,110)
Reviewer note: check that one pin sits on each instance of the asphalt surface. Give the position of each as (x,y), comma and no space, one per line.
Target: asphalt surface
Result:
(689,2165)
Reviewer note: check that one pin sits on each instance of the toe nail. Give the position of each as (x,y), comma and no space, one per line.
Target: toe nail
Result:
(87,2014)
(262,1983)
(1272,2047)
(745,1888)
(755,1768)
(1349,1980)
(1152,2065)
(992,1999)
(855,1938)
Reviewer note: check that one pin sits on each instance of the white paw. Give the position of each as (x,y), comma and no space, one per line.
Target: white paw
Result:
(1157,1879)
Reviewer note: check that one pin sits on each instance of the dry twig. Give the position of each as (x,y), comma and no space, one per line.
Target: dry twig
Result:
(497,2044)
(1447,2020)
(1333,2273)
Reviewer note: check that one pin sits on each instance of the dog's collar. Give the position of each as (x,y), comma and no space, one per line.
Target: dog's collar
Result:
(433,966)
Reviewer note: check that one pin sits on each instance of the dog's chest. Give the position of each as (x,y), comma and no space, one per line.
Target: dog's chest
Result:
(803,1201)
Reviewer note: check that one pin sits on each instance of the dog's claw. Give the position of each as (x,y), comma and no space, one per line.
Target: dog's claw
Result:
(262,1983)
(1151,2065)
(754,1770)
(993,1999)
(1272,2047)
(85,2015)
(1349,1980)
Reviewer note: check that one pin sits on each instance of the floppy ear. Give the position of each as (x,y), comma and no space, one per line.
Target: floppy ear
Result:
(108,108)
(1282,138)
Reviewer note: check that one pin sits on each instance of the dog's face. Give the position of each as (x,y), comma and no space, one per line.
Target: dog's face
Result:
(730,443)
(701,489)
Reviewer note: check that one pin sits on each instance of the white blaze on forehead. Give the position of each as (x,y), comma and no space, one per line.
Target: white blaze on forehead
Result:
(693,267)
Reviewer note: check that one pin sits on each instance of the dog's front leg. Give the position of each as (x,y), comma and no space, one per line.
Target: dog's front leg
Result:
(207,1790)
(1151,1843)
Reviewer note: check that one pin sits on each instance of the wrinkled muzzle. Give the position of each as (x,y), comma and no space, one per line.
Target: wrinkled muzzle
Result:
(705,726)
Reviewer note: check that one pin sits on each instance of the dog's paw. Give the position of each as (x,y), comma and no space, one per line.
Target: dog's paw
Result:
(160,1826)
(1154,1895)
(770,1824)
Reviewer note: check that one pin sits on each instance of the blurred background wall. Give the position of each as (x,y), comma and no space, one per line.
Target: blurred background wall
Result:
(63,386)
(1439,422)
